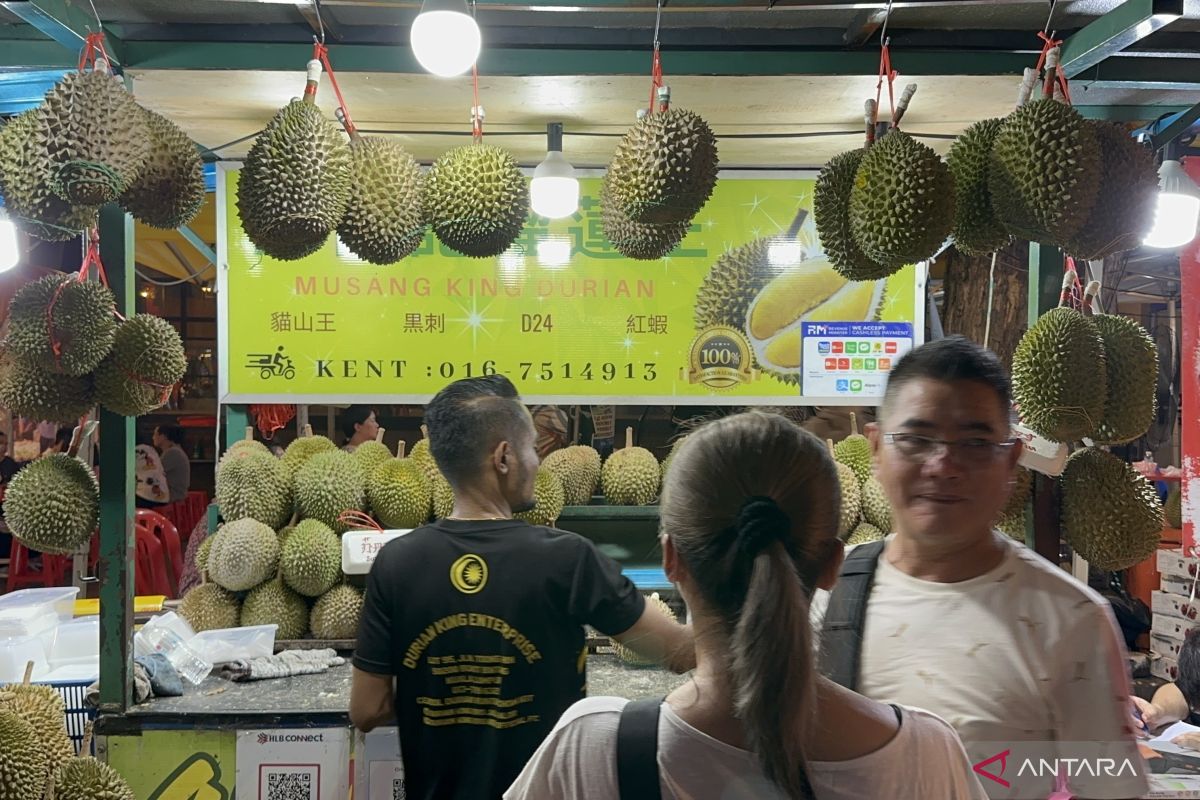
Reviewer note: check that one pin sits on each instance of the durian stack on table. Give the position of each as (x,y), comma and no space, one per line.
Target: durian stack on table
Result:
(865,515)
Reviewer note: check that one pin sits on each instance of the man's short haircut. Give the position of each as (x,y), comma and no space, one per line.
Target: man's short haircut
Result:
(172,432)
(468,419)
(1189,669)
(954,358)
(354,415)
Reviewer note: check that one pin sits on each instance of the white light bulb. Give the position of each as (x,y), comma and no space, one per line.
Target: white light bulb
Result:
(554,190)
(445,39)
(1175,219)
(9,254)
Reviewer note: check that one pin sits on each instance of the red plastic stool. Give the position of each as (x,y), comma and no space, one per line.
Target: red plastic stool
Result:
(150,568)
(167,536)
(22,574)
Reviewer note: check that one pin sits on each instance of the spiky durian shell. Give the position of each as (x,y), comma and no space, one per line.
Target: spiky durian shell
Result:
(1012,517)
(865,532)
(831,212)
(1044,172)
(336,613)
(301,450)
(476,200)
(384,220)
(208,607)
(32,392)
(850,510)
(1060,377)
(43,708)
(731,285)
(977,230)
(329,484)
(95,138)
(253,484)
(170,189)
(146,362)
(244,553)
(22,763)
(85,778)
(902,203)
(631,477)
(79,317)
(25,185)
(574,471)
(295,183)
(1131,364)
(399,493)
(310,561)
(53,504)
(665,168)
(643,241)
(548,497)
(1111,515)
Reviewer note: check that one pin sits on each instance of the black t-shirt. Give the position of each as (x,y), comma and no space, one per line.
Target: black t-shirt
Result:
(482,622)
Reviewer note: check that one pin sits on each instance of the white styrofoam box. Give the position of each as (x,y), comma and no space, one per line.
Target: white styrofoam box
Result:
(76,642)
(1039,453)
(1173,562)
(1165,646)
(16,653)
(1171,627)
(1165,668)
(1174,605)
(359,549)
(32,612)
(1178,585)
(232,644)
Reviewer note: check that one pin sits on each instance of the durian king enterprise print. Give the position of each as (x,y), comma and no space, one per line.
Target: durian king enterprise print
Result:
(747,309)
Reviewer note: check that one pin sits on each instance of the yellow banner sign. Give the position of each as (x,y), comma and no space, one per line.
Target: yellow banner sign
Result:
(746,310)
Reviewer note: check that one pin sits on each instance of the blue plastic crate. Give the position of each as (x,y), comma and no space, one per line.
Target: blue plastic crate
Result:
(78,714)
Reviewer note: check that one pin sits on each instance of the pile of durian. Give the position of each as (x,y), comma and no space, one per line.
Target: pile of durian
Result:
(89,144)
(865,514)
(1092,379)
(37,758)
(663,172)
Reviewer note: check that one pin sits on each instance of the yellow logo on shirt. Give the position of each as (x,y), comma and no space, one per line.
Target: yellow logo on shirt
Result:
(469,574)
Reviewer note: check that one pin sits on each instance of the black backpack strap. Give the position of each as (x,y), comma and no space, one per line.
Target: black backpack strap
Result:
(637,750)
(842,630)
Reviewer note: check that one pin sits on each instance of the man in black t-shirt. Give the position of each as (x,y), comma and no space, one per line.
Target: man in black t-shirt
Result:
(472,634)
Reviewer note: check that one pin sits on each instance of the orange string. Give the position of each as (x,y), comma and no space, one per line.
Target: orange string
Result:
(359,521)
(1048,44)
(476,114)
(656,81)
(321,52)
(93,44)
(886,71)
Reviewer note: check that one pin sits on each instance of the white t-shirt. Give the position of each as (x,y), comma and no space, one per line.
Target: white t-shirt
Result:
(579,759)
(1023,653)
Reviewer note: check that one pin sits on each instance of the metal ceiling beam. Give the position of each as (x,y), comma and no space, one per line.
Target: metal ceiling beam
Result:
(64,21)
(864,25)
(1128,72)
(1126,24)
(322,24)
(678,5)
(1127,113)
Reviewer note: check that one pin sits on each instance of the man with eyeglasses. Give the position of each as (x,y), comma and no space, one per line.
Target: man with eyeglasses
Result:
(948,614)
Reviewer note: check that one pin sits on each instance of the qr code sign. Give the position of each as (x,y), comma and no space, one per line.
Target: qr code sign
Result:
(290,783)
(398,789)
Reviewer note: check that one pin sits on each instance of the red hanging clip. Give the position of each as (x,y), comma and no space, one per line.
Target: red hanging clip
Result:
(93,45)
(886,71)
(656,82)
(321,53)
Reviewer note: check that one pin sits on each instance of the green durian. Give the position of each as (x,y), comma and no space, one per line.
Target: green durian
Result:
(1060,377)
(146,362)
(977,230)
(169,191)
(274,603)
(310,561)
(62,324)
(476,200)
(244,553)
(665,168)
(384,220)
(25,184)
(549,498)
(329,484)
(1131,366)
(831,212)
(252,484)
(642,241)
(399,493)
(336,613)
(33,393)
(53,504)
(208,607)
(1111,515)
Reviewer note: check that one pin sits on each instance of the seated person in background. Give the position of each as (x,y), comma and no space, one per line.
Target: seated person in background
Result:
(358,426)
(176,466)
(61,443)
(749,521)
(1174,701)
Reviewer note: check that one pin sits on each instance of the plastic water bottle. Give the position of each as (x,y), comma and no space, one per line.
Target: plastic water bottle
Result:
(163,640)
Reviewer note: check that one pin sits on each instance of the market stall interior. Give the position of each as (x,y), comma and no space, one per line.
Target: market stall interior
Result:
(243,243)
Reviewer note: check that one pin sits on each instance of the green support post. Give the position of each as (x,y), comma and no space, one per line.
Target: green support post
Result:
(1045,287)
(237,419)
(116,491)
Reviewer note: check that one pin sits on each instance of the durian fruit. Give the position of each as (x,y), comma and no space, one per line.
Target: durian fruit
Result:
(202,553)
(301,450)
(25,185)
(476,200)
(631,657)
(22,761)
(1060,377)
(32,392)
(877,509)
(399,493)
(831,212)
(902,203)
(548,498)
(53,504)
(310,561)
(384,221)
(284,534)
(1044,172)
(977,230)
(665,168)
(641,241)
(208,607)
(336,613)
(1125,203)
(86,778)
(42,707)
(666,462)
(274,603)
(574,469)
(95,138)
(1111,514)
(591,461)
(855,451)
(631,476)
(252,484)
(731,285)
(421,454)
(864,533)
(1173,509)
(146,362)
(244,553)
(850,510)
(443,495)
(249,443)
(62,324)
(1012,518)
(329,484)
(1131,363)
(170,189)
(370,455)
(295,184)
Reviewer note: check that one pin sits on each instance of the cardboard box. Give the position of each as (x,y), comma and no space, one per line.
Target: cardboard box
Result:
(1165,646)
(1165,668)
(1174,605)
(1172,562)
(1171,627)
(1175,584)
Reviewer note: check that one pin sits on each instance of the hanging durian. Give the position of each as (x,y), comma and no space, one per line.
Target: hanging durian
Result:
(1131,366)
(34,393)
(476,199)
(831,212)
(977,230)
(170,189)
(384,221)
(642,241)
(53,504)
(62,324)
(665,168)
(1012,517)
(1173,508)
(1111,514)
(146,362)
(25,185)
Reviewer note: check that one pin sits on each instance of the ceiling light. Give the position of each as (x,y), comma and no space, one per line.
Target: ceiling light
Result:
(554,252)
(445,37)
(554,191)
(1177,211)
(9,254)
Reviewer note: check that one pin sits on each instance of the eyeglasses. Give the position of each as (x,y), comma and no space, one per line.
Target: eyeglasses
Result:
(973,452)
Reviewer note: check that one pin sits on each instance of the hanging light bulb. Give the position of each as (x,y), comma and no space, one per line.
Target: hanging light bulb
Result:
(445,37)
(554,191)
(1177,211)
(9,254)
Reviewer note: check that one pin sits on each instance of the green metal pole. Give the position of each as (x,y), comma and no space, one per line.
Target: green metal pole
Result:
(237,419)
(116,492)
(1045,285)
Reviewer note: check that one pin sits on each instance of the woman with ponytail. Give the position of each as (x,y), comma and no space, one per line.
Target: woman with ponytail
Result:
(749,523)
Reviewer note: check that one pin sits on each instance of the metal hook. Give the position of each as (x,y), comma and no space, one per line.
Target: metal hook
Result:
(887,17)
(1050,17)
(657,21)
(99,24)
(320,20)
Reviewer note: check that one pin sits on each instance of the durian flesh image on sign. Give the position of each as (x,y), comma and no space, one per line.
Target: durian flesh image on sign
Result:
(720,319)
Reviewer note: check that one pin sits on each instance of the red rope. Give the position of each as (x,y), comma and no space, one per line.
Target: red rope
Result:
(271,417)
(321,52)
(1048,44)
(656,81)
(1072,295)
(359,521)
(91,256)
(476,111)
(93,44)
(886,71)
